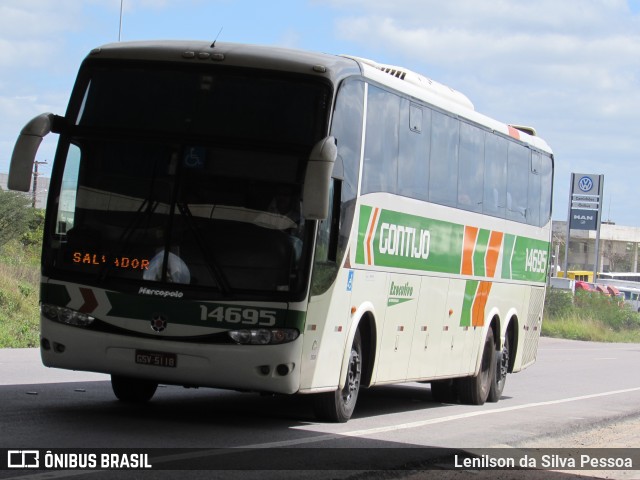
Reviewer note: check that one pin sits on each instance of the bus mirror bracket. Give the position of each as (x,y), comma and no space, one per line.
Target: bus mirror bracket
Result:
(24,152)
(315,194)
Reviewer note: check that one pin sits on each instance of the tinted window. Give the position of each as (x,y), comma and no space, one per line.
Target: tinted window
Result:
(518,182)
(381,150)
(471,168)
(418,152)
(415,136)
(210,101)
(495,175)
(542,168)
(443,181)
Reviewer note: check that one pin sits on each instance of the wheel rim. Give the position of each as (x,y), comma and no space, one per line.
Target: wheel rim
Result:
(350,390)
(487,360)
(504,363)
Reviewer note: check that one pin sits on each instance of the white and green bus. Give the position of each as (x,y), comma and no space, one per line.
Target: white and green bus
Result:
(270,220)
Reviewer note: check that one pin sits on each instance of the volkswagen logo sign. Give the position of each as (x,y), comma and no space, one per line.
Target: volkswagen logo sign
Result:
(585,184)
(158,322)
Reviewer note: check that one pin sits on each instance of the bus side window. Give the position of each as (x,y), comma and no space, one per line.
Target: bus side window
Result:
(381,149)
(518,167)
(443,173)
(471,168)
(495,175)
(413,162)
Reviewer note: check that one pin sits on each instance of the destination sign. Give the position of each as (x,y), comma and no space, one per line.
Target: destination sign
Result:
(89,258)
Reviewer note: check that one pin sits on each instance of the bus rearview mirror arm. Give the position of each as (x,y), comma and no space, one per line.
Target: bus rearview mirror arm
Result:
(24,152)
(315,193)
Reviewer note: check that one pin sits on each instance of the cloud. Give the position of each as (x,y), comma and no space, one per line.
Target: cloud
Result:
(37,19)
(567,68)
(34,50)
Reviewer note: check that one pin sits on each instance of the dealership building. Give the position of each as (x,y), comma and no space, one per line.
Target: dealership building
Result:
(618,247)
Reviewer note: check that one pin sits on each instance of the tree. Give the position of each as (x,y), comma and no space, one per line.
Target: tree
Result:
(15,216)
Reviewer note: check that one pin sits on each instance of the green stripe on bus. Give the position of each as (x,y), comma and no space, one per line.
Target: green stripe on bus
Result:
(393,239)
(480,252)
(203,314)
(530,259)
(507,252)
(410,242)
(365,215)
(182,312)
(470,290)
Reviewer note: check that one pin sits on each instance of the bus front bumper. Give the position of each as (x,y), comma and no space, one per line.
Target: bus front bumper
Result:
(261,368)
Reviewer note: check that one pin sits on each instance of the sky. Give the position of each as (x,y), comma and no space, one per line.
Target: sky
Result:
(570,68)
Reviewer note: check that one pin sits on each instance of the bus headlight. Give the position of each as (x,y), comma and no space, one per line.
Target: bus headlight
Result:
(66,315)
(264,336)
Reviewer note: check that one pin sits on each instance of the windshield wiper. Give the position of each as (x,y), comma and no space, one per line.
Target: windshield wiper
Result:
(212,265)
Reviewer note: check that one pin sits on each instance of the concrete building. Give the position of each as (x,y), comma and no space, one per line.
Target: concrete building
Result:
(618,247)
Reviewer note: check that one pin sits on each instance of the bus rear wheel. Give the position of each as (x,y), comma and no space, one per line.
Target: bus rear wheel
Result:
(502,368)
(132,390)
(475,390)
(338,406)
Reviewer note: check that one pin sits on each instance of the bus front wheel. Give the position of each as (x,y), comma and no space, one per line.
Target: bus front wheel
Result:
(132,390)
(475,390)
(338,406)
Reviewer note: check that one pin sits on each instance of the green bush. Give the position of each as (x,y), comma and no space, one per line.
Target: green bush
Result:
(558,303)
(589,316)
(20,242)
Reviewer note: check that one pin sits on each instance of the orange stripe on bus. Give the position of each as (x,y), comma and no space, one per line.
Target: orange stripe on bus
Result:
(493,252)
(470,235)
(370,235)
(480,303)
(514,132)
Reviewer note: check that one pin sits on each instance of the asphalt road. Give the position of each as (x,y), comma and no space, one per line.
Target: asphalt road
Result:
(573,387)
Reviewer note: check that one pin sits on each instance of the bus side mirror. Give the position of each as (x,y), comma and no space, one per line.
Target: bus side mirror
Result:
(24,152)
(315,193)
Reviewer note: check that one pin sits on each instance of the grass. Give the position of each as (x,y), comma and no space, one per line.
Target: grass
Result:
(575,328)
(589,316)
(19,284)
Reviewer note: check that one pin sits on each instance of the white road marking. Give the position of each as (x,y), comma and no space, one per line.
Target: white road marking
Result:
(332,436)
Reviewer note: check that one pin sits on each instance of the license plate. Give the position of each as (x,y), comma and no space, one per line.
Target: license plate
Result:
(157,359)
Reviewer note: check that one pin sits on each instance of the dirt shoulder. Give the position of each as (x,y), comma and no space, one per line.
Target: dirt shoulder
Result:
(619,433)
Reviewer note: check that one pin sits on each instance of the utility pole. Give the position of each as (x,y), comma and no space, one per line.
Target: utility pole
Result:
(35,181)
(120,29)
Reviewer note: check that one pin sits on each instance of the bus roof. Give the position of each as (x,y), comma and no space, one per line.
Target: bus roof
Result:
(446,98)
(334,67)
(235,54)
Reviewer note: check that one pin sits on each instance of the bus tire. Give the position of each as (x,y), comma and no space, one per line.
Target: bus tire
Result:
(132,390)
(338,406)
(444,391)
(475,390)
(502,368)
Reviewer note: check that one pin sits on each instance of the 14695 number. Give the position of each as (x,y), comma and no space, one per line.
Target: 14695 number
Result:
(245,316)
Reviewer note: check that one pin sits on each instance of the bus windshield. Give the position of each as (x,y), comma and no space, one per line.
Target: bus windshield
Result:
(201,187)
